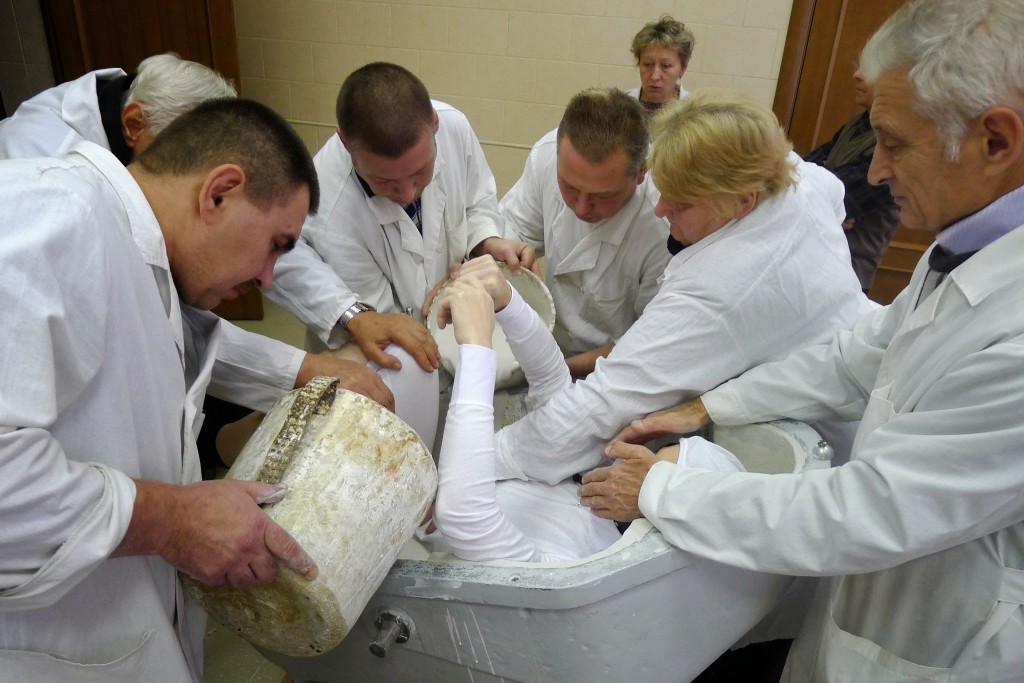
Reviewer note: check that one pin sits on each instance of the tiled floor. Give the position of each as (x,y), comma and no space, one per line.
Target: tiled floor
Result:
(229,658)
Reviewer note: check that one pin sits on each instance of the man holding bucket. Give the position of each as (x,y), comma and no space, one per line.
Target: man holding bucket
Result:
(100,388)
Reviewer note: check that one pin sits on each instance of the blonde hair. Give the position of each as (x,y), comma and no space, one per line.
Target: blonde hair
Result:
(717,147)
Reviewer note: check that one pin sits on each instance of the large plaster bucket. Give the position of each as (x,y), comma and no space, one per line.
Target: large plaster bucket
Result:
(359,482)
(509,374)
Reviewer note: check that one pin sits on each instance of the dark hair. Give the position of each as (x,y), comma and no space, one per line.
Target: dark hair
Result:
(384,109)
(237,131)
(599,122)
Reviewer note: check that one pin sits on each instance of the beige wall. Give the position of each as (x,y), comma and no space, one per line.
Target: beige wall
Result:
(510,65)
(24,59)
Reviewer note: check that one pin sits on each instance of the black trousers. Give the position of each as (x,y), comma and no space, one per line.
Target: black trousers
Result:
(757,663)
(218,413)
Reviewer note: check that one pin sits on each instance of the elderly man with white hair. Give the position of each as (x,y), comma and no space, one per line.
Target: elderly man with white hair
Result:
(923,530)
(121,112)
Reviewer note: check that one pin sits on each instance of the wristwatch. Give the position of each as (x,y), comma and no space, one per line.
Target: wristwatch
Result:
(352,311)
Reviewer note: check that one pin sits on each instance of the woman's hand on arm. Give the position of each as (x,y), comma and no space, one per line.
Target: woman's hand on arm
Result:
(682,419)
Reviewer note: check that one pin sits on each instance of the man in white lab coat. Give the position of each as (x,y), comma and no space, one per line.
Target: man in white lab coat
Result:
(117,111)
(923,528)
(100,385)
(586,202)
(407,192)
(123,113)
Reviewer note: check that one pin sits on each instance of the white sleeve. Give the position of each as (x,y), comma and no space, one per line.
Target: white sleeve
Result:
(646,371)
(313,291)
(924,481)
(697,452)
(62,517)
(466,510)
(822,382)
(535,349)
(522,207)
(482,219)
(251,369)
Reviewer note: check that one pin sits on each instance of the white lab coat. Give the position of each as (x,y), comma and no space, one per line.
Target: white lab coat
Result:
(755,290)
(602,275)
(55,120)
(925,522)
(368,248)
(251,369)
(92,394)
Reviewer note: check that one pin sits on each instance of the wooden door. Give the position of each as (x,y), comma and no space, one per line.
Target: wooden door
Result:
(85,35)
(815,97)
(815,92)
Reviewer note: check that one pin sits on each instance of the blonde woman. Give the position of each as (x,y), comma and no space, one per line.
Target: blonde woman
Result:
(767,272)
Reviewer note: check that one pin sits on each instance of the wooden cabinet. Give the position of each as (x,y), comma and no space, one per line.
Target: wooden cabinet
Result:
(85,35)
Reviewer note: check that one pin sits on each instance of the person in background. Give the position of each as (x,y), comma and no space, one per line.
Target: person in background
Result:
(123,114)
(922,530)
(407,192)
(871,215)
(662,50)
(586,202)
(99,494)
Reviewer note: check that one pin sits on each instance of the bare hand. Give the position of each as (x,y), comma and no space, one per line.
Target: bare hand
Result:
(682,419)
(434,290)
(485,271)
(352,375)
(469,307)
(373,332)
(582,364)
(614,492)
(215,531)
(515,253)
(849,224)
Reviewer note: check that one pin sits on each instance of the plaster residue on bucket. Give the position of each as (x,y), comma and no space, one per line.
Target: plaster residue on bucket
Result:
(359,482)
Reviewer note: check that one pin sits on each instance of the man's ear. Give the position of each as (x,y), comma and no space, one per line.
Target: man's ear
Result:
(1002,134)
(133,123)
(642,173)
(437,121)
(222,183)
(344,142)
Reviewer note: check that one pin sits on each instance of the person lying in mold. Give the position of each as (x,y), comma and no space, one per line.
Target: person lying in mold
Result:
(478,517)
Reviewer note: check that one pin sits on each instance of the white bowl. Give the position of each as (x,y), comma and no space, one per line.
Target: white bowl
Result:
(534,292)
